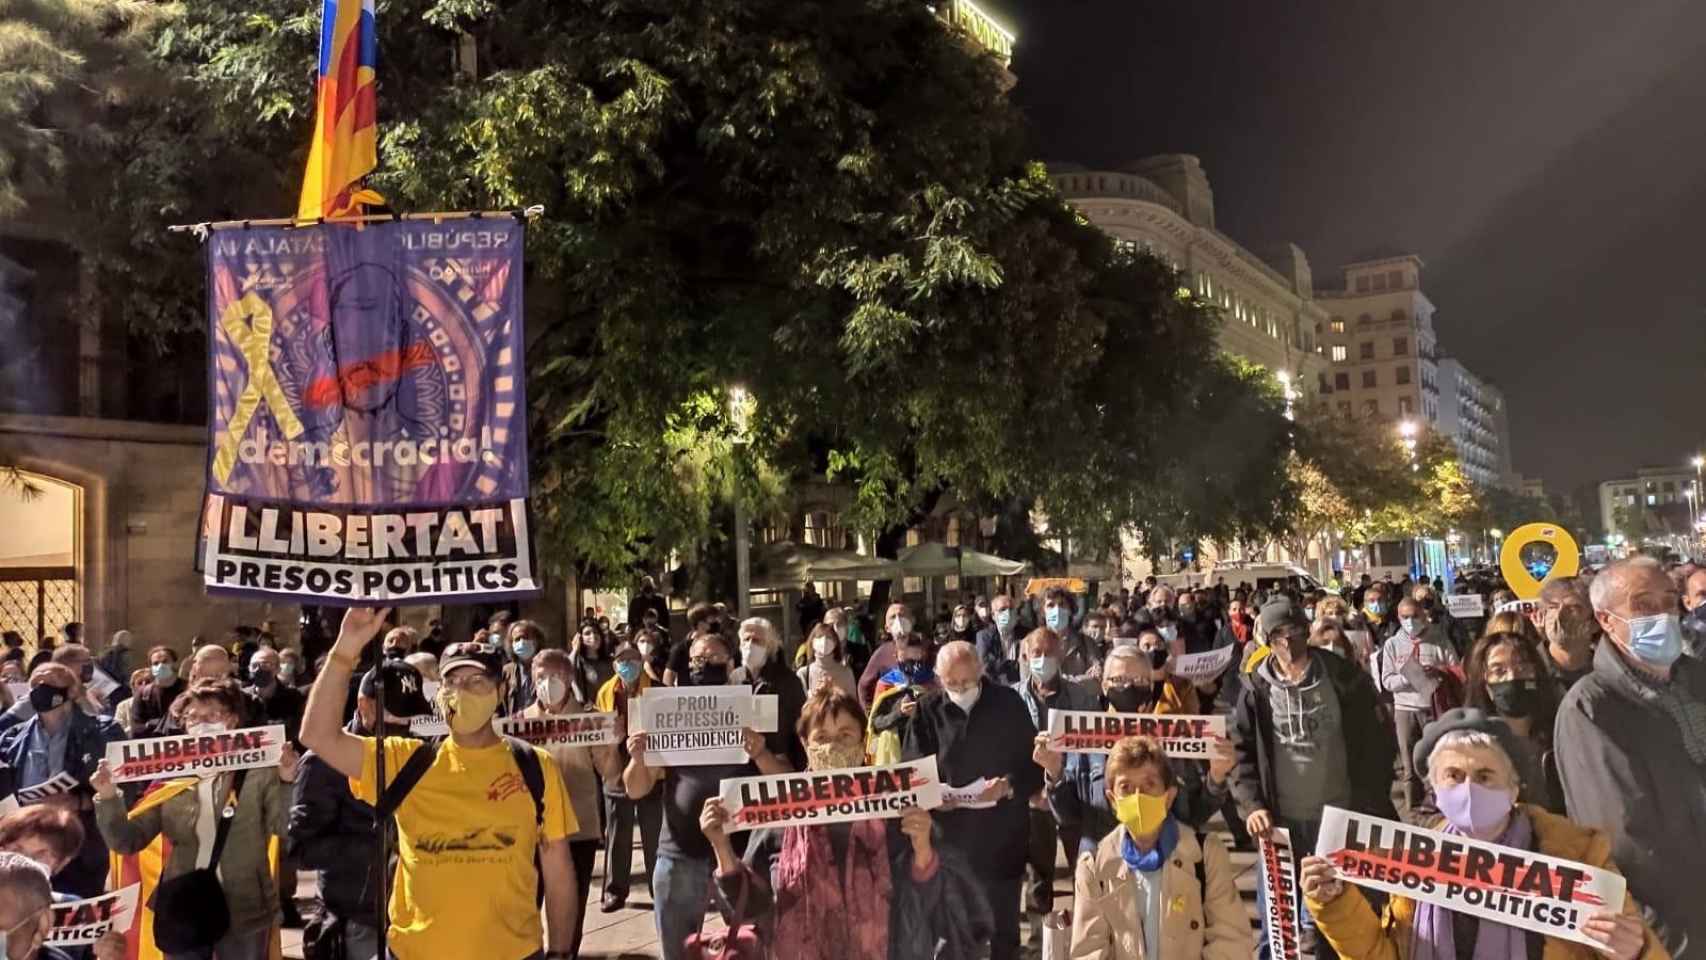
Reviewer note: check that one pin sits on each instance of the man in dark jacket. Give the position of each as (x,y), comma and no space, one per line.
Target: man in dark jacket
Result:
(278,703)
(979,730)
(1631,750)
(998,643)
(1305,735)
(648,599)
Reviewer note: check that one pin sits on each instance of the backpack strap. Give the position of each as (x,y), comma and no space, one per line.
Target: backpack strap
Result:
(531,773)
(222,823)
(411,773)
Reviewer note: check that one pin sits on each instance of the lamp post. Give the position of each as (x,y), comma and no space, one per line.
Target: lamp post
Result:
(740,410)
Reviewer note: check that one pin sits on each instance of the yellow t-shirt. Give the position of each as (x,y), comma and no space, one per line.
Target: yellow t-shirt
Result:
(465,880)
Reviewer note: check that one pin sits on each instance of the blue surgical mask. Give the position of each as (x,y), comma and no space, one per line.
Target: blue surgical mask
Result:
(1003,618)
(1411,625)
(524,649)
(1656,640)
(1044,668)
(1056,618)
(1375,606)
(628,670)
(164,673)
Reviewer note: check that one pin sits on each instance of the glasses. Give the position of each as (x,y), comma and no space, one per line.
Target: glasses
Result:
(191,717)
(699,663)
(471,682)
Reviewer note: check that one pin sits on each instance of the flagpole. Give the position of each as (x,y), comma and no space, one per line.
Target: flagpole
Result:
(533,212)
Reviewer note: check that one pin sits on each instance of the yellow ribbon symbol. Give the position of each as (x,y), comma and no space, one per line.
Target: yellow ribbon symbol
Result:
(248,324)
(1567,563)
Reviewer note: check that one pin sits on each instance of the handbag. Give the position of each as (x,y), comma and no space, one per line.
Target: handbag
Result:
(739,942)
(190,912)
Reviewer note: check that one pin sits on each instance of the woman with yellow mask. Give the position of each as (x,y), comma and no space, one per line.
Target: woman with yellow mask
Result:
(1153,890)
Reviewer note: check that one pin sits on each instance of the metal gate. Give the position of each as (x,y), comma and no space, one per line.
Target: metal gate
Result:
(37,601)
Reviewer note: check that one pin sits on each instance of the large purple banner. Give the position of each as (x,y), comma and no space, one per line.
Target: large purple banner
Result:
(368,440)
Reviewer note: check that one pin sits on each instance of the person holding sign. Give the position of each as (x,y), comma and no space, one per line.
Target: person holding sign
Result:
(633,677)
(254,803)
(51,836)
(1467,758)
(1174,694)
(1151,889)
(863,890)
(1044,690)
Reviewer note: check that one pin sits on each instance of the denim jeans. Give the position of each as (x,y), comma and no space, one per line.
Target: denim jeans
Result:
(1303,834)
(680,890)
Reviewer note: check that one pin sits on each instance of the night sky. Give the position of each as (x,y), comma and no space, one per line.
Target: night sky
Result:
(1546,160)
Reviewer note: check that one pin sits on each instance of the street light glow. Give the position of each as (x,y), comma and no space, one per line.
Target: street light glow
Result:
(1698,462)
(1407,428)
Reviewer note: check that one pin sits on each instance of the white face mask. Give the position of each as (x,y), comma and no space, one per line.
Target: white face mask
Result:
(752,656)
(552,689)
(823,646)
(965,699)
(900,626)
(960,622)
(646,650)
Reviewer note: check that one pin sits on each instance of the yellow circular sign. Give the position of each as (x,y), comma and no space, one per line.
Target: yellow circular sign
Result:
(1517,577)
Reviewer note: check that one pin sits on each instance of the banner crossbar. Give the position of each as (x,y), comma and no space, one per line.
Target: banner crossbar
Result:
(202,229)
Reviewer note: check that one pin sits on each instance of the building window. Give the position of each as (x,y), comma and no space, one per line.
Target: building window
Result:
(1651,499)
(1369,379)
(1403,375)
(1338,324)
(1405,407)
(1379,282)
(1338,353)
(1364,320)
(1670,485)
(1341,381)
(1395,279)
(1400,346)
(1367,349)
(1362,284)
(1371,406)
(1397,316)
(1321,379)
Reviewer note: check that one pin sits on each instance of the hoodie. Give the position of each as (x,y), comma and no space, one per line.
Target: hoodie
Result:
(1310,760)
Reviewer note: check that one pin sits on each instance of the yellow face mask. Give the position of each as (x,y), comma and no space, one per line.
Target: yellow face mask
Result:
(465,711)
(1141,813)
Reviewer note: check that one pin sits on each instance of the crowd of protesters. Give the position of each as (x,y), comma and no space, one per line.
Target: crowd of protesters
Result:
(1573,726)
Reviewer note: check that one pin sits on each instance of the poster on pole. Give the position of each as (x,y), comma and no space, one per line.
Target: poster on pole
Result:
(368,437)
(1189,736)
(79,923)
(831,796)
(1518,888)
(196,754)
(1204,666)
(1278,877)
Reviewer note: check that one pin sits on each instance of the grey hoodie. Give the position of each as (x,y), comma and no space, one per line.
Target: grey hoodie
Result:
(1310,767)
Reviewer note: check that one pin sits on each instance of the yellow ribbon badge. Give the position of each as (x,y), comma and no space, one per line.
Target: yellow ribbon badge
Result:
(248,323)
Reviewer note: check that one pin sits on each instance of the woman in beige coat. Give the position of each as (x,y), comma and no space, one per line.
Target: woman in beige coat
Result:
(1155,889)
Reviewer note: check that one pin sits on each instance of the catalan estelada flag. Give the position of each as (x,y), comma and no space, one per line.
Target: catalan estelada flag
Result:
(346,128)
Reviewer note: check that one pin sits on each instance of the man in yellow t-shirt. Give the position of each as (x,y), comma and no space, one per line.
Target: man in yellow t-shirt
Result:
(466,883)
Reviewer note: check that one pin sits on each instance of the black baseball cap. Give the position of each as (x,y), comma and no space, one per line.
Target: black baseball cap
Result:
(486,656)
(405,694)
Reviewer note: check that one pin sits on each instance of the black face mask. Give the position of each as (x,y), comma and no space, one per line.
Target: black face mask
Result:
(1516,698)
(1132,699)
(913,669)
(709,675)
(87,673)
(395,653)
(46,696)
(1157,658)
(261,678)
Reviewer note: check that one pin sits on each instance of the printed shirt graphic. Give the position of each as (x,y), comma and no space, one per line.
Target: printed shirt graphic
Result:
(465,878)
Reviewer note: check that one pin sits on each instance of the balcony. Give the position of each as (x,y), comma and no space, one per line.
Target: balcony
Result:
(980,26)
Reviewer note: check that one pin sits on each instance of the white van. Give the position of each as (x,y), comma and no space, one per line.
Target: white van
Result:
(1261,576)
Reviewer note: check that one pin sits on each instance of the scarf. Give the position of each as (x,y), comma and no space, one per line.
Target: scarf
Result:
(1157,855)
(827,910)
(1432,936)
(1241,629)
(1687,713)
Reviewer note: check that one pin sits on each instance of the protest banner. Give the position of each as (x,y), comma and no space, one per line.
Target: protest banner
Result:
(79,923)
(1524,607)
(831,796)
(1087,731)
(1278,877)
(1518,888)
(245,749)
(59,783)
(1203,666)
(567,730)
(368,435)
(695,726)
(1466,605)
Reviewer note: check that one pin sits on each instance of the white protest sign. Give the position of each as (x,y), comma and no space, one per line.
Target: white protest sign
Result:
(1182,735)
(1278,876)
(831,796)
(968,797)
(82,922)
(1519,888)
(695,726)
(1524,607)
(428,725)
(1465,605)
(563,730)
(1203,666)
(245,749)
(103,684)
(59,783)
(1420,680)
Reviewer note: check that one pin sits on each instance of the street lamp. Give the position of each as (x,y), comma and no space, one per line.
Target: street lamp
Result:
(1284,377)
(740,414)
(1407,432)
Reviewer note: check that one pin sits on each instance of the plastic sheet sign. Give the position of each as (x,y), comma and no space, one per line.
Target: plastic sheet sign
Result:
(1204,666)
(1518,577)
(1087,731)
(83,922)
(1278,877)
(1519,888)
(195,754)
(832,796)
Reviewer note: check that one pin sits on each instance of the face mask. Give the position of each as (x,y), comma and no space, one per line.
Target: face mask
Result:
(1309,615)
(287,672)
(206,729)
(552,689)
(1132,699)
(1141,813)
(1004,619)
(7,935)
(1657,640)
(709,675)
(1169,633)
(1473,808)
(45,697)
(466,711)
(524,649)
(628,670)
(1411,625)
(966,699)
(647,649)
(1187,612)
(823,647)
(1515,698)
(834,756)
(1056,618)
(1044,668)
(900,627)
(753,656)
(261,678)
(1375,607)
(1157,658)
(914,670)
(960,623)
(164,673)
(395,653)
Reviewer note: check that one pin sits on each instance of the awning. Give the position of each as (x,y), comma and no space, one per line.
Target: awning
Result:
(940,560)
(785,565)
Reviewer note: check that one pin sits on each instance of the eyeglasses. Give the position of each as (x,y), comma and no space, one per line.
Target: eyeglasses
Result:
(699,663)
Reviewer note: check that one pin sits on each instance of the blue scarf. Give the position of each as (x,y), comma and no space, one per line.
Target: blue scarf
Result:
(1151,861)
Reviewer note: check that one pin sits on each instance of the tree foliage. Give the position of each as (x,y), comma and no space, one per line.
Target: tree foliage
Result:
(1361,482)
